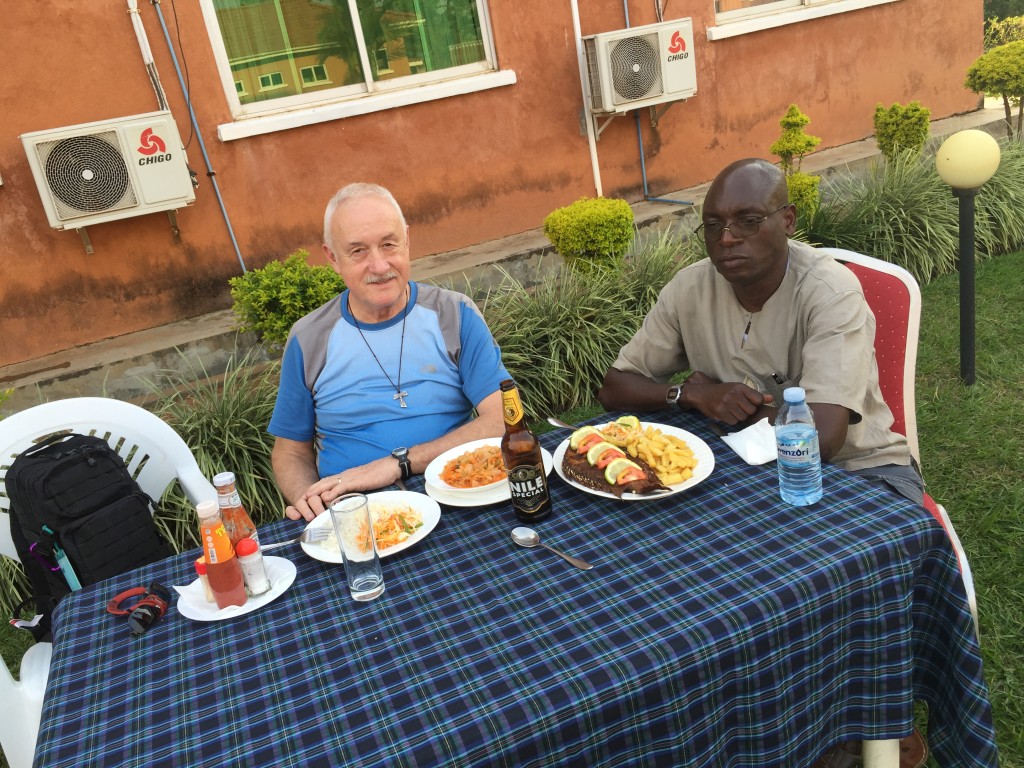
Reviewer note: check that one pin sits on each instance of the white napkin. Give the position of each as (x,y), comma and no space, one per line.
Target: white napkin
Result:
(755,444)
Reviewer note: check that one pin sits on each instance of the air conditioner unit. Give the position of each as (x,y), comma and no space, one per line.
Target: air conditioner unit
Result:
(112,169)
(641,66)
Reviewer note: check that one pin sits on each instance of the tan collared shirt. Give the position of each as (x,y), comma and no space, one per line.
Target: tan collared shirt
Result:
(816,332)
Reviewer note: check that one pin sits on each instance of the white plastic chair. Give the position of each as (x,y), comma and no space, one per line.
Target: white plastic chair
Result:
(156,456)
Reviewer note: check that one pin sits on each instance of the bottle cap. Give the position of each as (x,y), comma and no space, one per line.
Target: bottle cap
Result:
(201,566)
(794,394)
(207,509)
(246,546)
(224,478)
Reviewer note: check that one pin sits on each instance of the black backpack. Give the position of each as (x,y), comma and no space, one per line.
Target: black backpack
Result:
(77,516)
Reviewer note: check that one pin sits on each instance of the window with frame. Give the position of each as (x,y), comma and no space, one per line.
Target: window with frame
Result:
(323,49)
(737,17)
(739,8)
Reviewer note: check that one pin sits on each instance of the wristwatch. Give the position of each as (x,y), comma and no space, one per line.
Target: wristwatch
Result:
(675,392)
(402,454)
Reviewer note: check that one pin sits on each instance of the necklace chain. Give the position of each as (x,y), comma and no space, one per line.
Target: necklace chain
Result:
(399,394)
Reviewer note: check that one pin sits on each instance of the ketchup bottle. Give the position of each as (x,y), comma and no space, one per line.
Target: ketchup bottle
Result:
(237,522)
(222,568)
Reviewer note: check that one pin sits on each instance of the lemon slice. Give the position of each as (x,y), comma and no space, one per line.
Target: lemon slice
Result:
(613,470)
(631,422)
(595,453)
(579,434)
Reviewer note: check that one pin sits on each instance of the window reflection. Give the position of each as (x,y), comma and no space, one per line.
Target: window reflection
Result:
(280,48)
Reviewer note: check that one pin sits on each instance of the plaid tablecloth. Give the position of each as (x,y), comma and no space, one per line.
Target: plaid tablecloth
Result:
(719,627)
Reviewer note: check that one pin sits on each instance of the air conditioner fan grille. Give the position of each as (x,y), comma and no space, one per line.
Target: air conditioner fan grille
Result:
(635,68)
(87,174)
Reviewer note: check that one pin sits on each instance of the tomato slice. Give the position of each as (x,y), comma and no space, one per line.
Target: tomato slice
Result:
(629,474)
(589,442)
(608,457)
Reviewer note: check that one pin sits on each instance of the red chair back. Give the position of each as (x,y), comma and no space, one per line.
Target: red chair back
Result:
(894,297)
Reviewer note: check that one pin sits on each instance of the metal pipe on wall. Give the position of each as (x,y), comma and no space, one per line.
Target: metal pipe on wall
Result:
(147,55)
(588,117)
(210,173)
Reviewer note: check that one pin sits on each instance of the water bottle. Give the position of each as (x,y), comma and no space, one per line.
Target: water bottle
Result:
(797,442)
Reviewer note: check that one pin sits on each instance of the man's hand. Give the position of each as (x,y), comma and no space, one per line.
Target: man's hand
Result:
(729,403)
(367,477)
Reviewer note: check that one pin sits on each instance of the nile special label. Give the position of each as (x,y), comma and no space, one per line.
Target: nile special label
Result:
(512,406)
(528,486)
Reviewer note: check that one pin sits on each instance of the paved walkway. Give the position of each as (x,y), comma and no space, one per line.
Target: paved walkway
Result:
(120,367)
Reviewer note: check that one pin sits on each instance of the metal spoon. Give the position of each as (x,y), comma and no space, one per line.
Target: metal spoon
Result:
(527,537)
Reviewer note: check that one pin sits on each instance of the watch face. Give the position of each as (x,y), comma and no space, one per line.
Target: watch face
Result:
(400,453)
(673,395)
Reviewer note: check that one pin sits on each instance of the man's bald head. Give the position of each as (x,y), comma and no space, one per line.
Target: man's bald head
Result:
(759,179)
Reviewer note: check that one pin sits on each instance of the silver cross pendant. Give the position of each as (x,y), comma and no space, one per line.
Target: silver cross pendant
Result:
(400,397)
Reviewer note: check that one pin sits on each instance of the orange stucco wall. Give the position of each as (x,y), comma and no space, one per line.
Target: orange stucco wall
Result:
(466,169)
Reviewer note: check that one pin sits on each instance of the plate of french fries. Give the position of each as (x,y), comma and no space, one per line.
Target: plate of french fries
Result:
(680,459)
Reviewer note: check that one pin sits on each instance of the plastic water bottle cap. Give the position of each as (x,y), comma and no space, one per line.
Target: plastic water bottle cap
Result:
(794,394)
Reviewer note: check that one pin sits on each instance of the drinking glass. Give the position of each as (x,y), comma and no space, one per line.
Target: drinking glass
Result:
(353,525)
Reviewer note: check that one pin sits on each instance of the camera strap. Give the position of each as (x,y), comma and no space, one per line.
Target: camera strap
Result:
(115,606)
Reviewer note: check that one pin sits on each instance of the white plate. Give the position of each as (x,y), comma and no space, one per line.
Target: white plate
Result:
(457,497)
(192,599)
(429,511)
(701,451)
(432,474)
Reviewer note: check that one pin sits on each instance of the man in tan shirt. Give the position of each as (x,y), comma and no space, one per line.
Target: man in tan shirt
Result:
(761,314)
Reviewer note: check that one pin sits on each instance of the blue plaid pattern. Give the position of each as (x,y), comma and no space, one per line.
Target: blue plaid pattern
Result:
(719,627)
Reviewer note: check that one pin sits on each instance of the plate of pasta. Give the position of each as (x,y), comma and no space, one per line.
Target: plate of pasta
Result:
(473,467)
(400,520)
(461,462)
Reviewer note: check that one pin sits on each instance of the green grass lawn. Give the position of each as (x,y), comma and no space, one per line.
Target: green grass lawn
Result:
(972,440)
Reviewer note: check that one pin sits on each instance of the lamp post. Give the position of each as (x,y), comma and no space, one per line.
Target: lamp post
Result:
(965,161)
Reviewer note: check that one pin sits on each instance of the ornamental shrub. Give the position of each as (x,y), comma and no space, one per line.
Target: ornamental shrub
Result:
(804,192)
(901,129)
(268,301)
(794,143)
(1002,31)
(1000,72)
(598,230)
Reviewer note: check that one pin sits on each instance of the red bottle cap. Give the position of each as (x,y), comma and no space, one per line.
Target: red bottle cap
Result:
(201,566)
(245,547)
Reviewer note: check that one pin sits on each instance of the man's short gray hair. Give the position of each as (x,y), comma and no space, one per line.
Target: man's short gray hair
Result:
(352,192)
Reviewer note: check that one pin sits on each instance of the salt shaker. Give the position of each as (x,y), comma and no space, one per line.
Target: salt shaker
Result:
(253,570)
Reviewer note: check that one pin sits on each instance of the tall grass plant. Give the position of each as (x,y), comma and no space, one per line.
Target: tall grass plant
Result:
(559,338)
(224,420)
(899,211)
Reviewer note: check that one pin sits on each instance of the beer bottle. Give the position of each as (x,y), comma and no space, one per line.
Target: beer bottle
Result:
(520,452)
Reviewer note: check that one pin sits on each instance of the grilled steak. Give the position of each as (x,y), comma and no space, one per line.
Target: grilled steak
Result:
(576,467)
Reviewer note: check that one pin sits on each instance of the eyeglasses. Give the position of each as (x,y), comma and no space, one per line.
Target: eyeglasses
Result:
(743,227)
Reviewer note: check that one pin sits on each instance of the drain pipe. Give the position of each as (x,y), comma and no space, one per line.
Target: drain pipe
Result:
(643,168)
(210,173)
(147,55)
(581,60)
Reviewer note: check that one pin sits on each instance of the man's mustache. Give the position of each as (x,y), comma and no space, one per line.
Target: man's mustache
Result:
(371,279)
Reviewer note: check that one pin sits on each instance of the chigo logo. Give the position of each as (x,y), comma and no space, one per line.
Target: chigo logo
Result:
(677,47)
(150,145)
